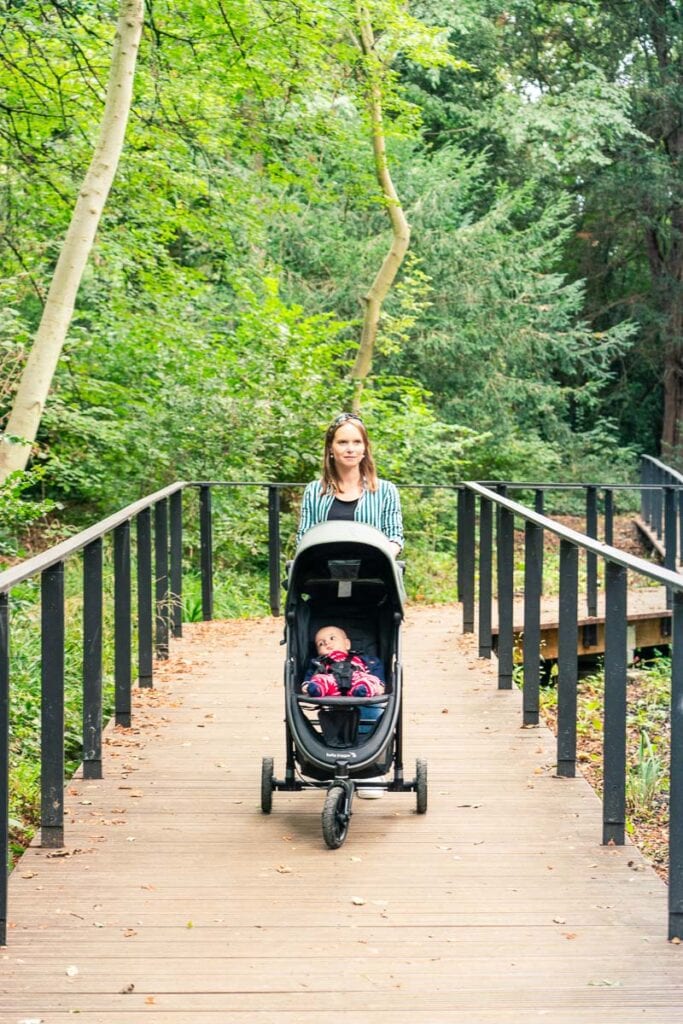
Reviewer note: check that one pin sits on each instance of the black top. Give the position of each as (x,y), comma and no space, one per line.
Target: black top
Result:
(342,509)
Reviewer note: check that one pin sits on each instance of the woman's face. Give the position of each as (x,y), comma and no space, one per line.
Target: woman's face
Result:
(348,447)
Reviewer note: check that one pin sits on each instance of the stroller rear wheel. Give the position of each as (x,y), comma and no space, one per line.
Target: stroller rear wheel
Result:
(267,785)
(336,814)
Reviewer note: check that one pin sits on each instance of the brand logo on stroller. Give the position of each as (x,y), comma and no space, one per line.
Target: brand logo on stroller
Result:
(336,756)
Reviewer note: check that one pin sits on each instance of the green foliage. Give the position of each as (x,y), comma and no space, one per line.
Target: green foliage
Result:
(17,512)
(644,780)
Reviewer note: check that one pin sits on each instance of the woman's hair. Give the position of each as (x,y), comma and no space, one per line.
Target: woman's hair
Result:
(330,478)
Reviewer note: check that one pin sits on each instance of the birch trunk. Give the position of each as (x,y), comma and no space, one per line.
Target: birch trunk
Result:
(374,297)
(29,401)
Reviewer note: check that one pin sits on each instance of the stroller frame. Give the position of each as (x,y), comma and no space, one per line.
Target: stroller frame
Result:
(343,573)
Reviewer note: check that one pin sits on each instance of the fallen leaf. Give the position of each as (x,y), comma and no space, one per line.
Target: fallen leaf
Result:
(71,971)
(358,901)
(129,933)
(560,920)
(29,874)
(605,983)
(150,1000)
(283,869)
(128,988)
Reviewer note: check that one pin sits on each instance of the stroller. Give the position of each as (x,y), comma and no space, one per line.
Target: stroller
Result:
(343,573)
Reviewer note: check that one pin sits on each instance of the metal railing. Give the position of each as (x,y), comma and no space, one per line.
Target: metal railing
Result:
(159,592)
(661,507)
(616,563)
(158,521)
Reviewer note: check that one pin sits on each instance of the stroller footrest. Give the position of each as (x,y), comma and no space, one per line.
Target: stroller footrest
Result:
(348,702)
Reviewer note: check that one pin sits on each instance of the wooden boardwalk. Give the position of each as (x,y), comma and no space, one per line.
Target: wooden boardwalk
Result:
(178,901)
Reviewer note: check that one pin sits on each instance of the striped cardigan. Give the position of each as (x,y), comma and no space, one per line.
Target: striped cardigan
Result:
(380,508)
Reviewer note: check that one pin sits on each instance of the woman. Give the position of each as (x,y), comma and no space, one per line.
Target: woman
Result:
(350,488)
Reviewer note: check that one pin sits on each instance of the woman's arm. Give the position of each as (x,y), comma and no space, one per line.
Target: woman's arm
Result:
(392,519)
(307,510)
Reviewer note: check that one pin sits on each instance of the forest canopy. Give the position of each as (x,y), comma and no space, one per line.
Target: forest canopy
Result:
(532,330)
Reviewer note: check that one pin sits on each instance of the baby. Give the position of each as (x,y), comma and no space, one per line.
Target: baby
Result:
(337,664)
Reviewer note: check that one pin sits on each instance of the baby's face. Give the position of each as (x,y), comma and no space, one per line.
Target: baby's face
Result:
(331,638)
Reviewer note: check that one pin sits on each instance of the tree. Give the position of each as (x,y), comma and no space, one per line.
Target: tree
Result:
(29,400)
(400,229)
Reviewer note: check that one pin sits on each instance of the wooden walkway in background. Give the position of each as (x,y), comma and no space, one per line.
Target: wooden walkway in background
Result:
(178,901)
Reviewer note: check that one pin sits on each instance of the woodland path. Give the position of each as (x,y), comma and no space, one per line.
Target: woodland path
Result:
(179,902)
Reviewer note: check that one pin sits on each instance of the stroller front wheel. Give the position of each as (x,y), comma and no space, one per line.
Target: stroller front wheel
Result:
(336,814)
(267,785)
(421,785)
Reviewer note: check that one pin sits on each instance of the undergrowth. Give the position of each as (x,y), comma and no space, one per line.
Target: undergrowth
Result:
(647,748)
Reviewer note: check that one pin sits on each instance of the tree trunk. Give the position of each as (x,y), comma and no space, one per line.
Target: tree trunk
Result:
(36,379)
(374,297)
(666,267)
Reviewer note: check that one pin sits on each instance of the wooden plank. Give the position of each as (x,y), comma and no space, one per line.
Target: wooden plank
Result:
(176,884)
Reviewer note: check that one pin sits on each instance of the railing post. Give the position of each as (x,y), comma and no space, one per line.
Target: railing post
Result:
(539,506)
(609,515)
(122,626)
(4,762)
(206,545)
(161,576)
(657,508)
(533,573)
(614,736)
(485,572)
(177,564)
(567,661)
(52,706)
(145,605)
(505,564)
(670,539)
(676,776)
(468,542)
(92,660)
(274,547)
(645,498)
(591,558)
(459,545)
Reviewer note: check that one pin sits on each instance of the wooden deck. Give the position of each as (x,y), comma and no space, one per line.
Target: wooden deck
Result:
(178,901)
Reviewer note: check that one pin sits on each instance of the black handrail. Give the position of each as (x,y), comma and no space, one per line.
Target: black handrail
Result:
(49,566)
(661,505)
(616,564)
(659,496)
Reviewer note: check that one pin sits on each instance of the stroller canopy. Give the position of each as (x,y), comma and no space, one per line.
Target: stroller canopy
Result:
(348,560)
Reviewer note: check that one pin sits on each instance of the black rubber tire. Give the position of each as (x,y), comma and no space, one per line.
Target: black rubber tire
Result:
(335,820)
(267,785)
(421,785)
